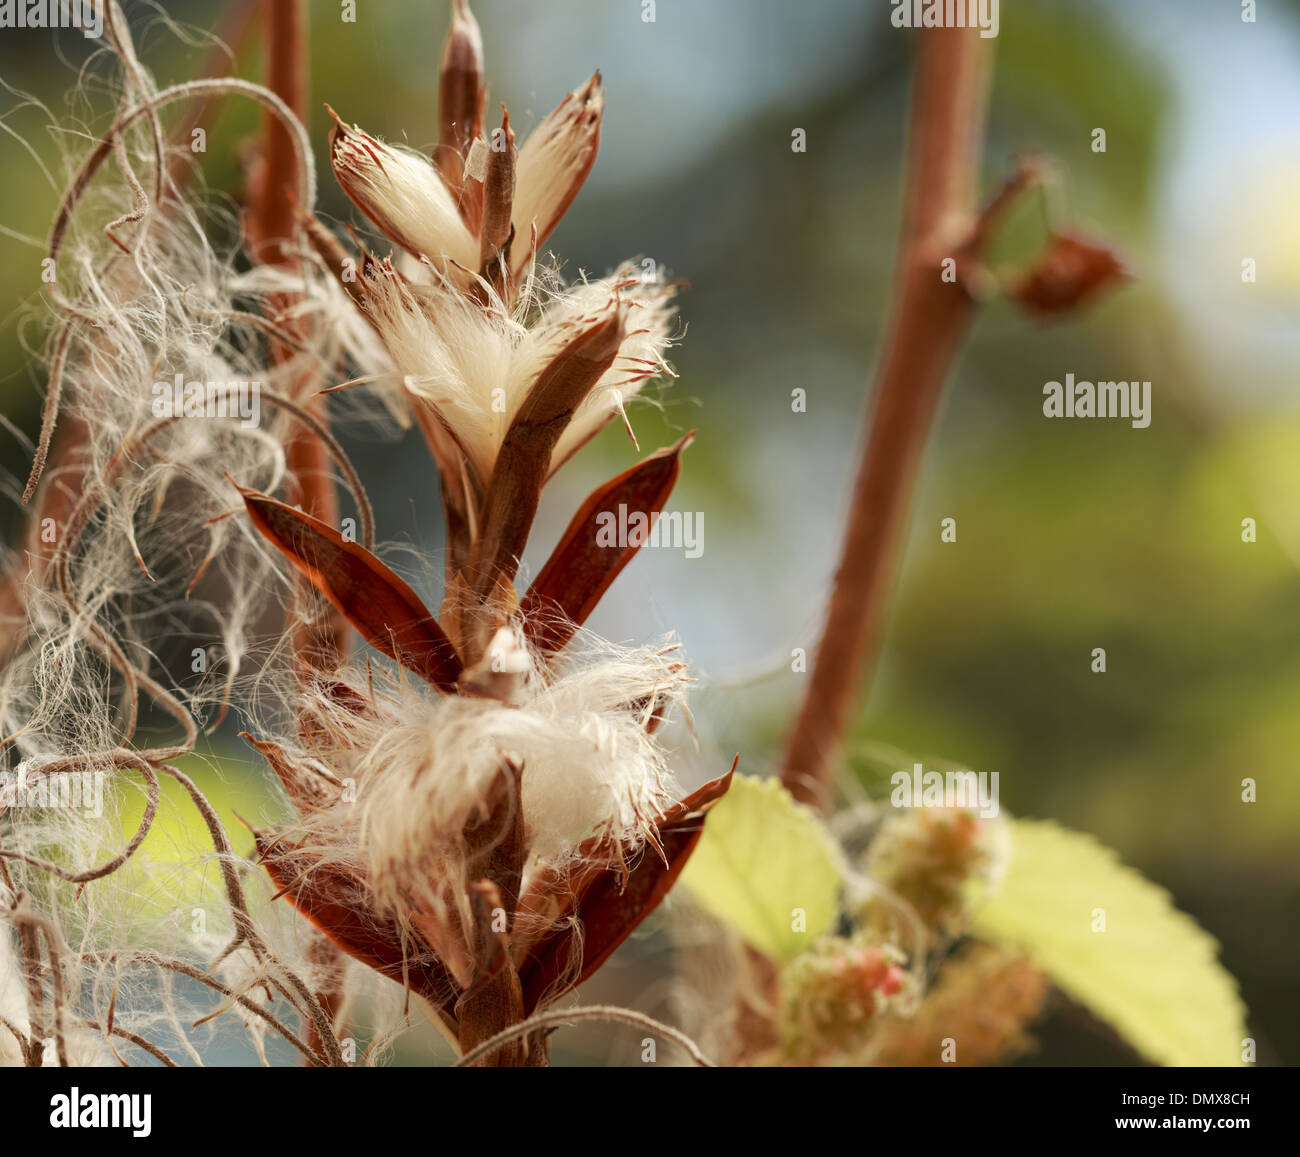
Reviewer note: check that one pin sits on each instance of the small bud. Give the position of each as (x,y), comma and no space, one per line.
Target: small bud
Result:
(929,858)
(833,996)
(461,93)
(1071,271)
(498,200)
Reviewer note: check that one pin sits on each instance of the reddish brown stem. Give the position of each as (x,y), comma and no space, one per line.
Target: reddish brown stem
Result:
(930,317)
(271,217)
(63,484)
(231,35)
(320,633)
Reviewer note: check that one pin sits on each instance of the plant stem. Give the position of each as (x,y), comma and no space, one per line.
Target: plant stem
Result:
(320,633)
(31,561)
(271,214)
(930,317)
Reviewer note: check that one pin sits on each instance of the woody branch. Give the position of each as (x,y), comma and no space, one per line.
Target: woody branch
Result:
(929,320)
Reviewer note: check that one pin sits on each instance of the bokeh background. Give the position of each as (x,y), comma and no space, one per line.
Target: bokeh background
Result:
(1072,535)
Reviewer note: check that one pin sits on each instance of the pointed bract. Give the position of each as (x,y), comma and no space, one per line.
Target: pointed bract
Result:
(555,161)
(497,235)
(581,567)
(378,603)
(340,905)
(608,907)
(402,193)
(524,462)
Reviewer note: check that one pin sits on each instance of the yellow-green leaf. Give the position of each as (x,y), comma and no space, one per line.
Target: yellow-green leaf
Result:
(766,866)
(175,870)
(1153,974)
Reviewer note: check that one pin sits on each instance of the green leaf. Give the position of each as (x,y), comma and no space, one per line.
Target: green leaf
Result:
(763,857)
(1153,974)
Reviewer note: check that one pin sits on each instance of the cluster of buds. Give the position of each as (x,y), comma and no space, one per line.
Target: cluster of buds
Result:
(513,821)
(833,996)
(931,859)
(981,1004)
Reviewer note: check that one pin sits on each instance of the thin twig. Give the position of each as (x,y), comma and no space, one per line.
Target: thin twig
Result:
(560,1016)
(321,636)
(191,90)
(930,318)
(140,1042)
(171,964)
(109,866)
